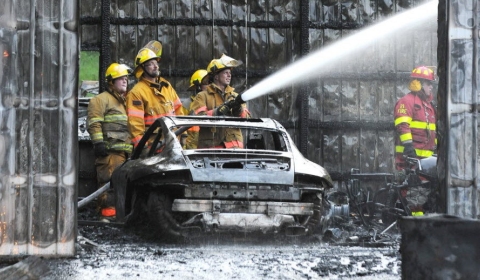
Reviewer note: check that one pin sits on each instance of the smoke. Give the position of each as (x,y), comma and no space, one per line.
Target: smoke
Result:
(328,58)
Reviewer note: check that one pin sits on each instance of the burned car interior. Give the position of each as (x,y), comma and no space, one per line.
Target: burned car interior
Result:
(255,138)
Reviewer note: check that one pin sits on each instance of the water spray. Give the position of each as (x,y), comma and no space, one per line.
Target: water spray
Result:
(313,65)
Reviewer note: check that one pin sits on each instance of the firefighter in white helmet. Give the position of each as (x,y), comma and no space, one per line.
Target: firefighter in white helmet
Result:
(217,100)
(152,97)
(107,126)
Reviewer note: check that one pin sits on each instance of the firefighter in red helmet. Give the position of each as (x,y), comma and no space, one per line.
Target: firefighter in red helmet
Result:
(415,118)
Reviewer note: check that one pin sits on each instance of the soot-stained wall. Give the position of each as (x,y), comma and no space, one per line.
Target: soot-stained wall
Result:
(39,44)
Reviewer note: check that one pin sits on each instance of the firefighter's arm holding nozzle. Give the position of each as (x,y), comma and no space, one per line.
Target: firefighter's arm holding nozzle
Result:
(235,107)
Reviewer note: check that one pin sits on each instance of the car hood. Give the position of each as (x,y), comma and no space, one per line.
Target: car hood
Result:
(242,166)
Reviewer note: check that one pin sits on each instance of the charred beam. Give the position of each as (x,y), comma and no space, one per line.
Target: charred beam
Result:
(352,125)
(89,20)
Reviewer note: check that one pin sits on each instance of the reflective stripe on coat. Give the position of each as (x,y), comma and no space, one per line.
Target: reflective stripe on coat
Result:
(107,122)
(205,103)
(147,102)
(415,120)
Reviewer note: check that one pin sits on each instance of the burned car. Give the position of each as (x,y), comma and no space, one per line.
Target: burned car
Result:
(267,186)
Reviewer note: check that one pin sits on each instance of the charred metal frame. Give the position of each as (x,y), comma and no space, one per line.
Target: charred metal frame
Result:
(38,189)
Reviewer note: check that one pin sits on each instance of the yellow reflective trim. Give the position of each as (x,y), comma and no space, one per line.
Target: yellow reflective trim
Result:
(400,120)
(94,120)
(422,125)
(121,147)
(417,213)
(424,153)
(111,118)
(97,136)
(419,152)
(406,137)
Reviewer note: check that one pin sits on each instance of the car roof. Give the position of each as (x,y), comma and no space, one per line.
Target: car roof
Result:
(264,123)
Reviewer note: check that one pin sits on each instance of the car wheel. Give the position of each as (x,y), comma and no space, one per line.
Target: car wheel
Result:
(312,223)
(137,215)
(160,215)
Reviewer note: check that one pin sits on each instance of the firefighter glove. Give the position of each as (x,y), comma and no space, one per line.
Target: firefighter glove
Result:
(237,110)
(100,150)
(408,150)
(223,110)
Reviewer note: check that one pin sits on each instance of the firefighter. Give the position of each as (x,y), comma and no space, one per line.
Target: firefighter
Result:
(107,126)
(198,83)
(415,118)
(216,101)
(415,127)
(151,98)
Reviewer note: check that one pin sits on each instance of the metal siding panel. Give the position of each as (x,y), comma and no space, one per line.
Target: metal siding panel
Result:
(350,149)
(462,123)
(38,188)
(350,100)
(332,154)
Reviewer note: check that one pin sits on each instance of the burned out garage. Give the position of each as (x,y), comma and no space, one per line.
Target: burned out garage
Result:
(332,139)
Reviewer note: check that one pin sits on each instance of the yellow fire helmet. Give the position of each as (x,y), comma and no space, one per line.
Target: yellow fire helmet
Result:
(116,70)
(143,56)
(155,46)
(197,78)
(223,62)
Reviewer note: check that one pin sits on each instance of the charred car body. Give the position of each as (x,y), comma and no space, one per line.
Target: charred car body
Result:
(267,186)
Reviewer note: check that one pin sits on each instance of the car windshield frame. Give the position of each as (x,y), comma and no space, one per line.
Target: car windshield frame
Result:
(278,138)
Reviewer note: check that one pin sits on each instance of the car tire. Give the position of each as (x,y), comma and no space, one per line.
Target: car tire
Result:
(137,215)
(160,215)
(312,223)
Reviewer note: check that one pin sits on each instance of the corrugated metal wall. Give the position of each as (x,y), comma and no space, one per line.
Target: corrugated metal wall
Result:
(458,105)
(38,147)
(341,120)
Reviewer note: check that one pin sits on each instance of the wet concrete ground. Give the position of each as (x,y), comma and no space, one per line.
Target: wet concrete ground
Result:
(109,252)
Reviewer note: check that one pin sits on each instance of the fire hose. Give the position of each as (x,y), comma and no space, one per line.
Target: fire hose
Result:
(92,196)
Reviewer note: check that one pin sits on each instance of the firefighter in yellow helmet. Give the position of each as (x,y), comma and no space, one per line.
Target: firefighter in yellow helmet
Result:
(415,125)
(217,100)
(152,97)
(198,83)
(107,126)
